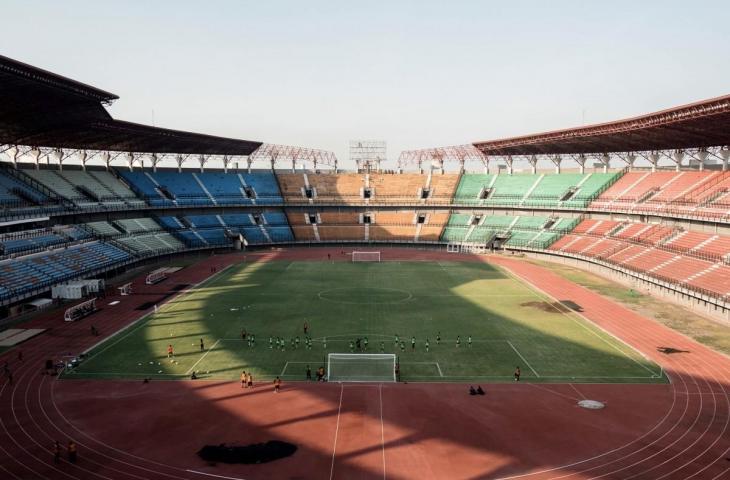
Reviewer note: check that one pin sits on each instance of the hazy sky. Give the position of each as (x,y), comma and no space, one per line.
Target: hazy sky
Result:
(416,74)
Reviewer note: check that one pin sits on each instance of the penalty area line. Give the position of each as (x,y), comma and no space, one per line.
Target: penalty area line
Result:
(523,358)
(286,365)
(201,358)
(586,323)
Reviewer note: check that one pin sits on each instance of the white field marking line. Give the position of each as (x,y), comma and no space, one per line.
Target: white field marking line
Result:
(85,434)
(382,427)
(538,386)
(86,446)
(213,475)
(337,430)
(438,367)
(389,302)
(540,294)
(577,391)
(291,374)
(523,358)
(477,295)
(203,356)
(701,393)
(557,377)
(137,324)
(125,374)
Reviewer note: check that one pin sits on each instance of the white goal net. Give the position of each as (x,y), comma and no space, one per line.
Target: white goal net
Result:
(361,367)
(365,256)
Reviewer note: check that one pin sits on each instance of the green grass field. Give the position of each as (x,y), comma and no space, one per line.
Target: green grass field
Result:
(510,324)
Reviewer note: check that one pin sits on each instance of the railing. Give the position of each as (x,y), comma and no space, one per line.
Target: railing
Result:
(670,283)
(708,184)
(33,183)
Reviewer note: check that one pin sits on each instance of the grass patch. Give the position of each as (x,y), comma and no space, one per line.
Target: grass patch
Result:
(509,323)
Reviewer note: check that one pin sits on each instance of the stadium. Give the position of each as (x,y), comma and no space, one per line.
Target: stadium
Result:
(178,305)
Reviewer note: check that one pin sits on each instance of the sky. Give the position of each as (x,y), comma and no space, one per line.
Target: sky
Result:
(416,74)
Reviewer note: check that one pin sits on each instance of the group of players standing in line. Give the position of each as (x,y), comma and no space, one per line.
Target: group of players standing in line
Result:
(359,344)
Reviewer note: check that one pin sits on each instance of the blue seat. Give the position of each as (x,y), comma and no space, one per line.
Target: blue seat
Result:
(254,235)
(27,274)
(275,218)
(280,234)
(237,219)
(265,186)
(203,221)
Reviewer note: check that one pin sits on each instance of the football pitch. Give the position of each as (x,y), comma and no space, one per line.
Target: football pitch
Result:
(510,324)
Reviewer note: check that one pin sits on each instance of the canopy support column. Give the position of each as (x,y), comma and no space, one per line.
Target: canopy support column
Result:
(701,157)
(58,156)
(509,160)
(654,160)
(130,161)
(106,157)
(13,153)
(179,159)
(533,163)
(725,155)
(677,157)
(629,158)
(557,160)
(36,154)
(83,158)
(606,161)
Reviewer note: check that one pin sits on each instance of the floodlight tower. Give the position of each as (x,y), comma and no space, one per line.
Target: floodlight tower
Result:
(367,154)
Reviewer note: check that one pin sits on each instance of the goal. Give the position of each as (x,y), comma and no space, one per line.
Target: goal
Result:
(361,367)
(365,256)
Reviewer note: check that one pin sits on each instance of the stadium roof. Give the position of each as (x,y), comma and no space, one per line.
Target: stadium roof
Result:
(42,109)
(697,125)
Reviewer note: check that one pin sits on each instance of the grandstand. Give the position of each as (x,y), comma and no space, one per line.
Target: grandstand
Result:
(79,203)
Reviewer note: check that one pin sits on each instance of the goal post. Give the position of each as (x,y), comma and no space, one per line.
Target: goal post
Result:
(365,256)
(361,367)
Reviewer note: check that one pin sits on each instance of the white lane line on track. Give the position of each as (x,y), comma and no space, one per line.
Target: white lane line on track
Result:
(382,426)
(213,475)
(337,430)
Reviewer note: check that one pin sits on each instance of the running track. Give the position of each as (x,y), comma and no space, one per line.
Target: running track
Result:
(677,431)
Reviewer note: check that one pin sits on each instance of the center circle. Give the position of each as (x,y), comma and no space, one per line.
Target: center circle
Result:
(365,295)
